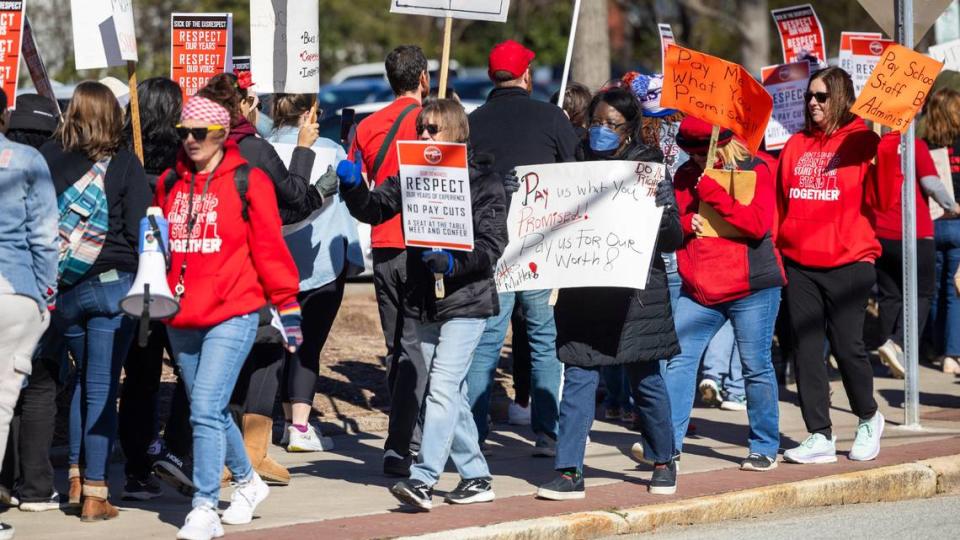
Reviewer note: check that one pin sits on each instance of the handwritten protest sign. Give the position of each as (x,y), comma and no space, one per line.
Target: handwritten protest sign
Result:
(11,34)
(241,63)
(589,224)
(948,53)
(481,10)
(742,185)
(716,91)
(325,157)
(898,87)
(786,84)
(103,33)
(284,45)
(844,59)
(865,54)
(801,34)
(435,183)
(201,46)
(666,39)
(35,65)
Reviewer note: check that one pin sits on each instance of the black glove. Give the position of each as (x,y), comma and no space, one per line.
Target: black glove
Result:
(328,184)
(511,184)
(665,196)
(439,262)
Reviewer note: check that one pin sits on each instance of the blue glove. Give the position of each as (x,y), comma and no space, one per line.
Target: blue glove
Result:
(350,172)
(439,262)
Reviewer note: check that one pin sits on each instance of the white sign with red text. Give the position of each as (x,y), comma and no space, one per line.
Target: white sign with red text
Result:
(588,224)
(786,83)
(801,34)
(844,59)
(285,46)
(865,56)
(435,182)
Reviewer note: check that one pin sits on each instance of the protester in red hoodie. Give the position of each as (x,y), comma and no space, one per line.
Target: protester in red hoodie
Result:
(227,258)
(829,247)
(735,276)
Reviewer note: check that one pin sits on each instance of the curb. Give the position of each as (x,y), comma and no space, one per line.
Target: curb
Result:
(921,479)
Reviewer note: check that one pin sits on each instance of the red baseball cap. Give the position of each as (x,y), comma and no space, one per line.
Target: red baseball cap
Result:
(511,57)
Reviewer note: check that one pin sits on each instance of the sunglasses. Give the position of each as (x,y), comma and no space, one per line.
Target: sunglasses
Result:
(432,129)
(821,97)
(199,133)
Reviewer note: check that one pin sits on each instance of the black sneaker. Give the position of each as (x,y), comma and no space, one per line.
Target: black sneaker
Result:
(141,489)
(413,492)
(175,471)
(475,490)
(396,465)
(664,479)
(758,462)
(565,487)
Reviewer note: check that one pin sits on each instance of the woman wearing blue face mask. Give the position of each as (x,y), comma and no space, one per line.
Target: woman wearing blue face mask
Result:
(611,326)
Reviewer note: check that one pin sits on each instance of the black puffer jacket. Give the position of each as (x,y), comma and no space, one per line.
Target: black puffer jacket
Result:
(599,326)
(470,291)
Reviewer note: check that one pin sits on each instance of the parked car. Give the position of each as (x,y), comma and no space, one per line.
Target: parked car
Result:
(376,70)
(333,97)
(471,89)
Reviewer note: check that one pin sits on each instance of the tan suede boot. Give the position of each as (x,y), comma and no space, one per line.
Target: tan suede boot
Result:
(95,504)
(257,430)
(76,483)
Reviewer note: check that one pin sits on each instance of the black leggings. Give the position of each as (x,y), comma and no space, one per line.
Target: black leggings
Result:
(890,285)
(521,357)
(301,370)
(259,380)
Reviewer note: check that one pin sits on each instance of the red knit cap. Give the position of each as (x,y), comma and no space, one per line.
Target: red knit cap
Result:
(511,57)
(694,136)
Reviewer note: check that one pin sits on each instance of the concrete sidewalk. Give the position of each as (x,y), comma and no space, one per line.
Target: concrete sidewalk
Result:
(341,494)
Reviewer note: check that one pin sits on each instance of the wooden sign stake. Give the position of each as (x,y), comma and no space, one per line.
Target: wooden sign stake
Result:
(712,151)
(445,58)
(135,110)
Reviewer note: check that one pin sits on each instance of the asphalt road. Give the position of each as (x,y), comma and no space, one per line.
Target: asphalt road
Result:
(936,518)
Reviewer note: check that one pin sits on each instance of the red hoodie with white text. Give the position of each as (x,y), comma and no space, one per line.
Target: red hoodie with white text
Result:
(233,265)
(823,199)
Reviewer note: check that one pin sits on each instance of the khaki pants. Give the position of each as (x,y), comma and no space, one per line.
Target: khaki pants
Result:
(21,325)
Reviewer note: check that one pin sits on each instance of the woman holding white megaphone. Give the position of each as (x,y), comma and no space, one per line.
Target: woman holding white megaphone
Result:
(449,328)
(227,258)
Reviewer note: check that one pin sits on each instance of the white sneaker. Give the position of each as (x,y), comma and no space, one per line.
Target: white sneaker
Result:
(285,437)
(310,441)
(637,452)
(517,415)
(866,446)
(244,500)
(709,393)
(7,498)
(53,503)
(891,355)
(545,446)
(202,523)
(950,366)
(6,531)
(814,449)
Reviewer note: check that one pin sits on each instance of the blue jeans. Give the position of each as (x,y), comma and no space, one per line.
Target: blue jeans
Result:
(88,321)
(448,428)
(753,318)
(545,367)
(722,363)
(945,313)
(674,282)
(210,360)
(578,406)
(618,388)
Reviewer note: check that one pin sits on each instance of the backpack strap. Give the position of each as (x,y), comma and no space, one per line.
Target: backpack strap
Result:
(388,140)
(169,179)
(242,180)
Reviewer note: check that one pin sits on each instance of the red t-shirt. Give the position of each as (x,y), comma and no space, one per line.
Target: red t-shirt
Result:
(371,133)
(889,221)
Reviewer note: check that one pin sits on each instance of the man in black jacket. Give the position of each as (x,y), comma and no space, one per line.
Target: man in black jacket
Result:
(518,130)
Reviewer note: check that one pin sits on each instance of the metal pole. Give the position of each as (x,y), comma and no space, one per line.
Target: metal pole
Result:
(911,340)
(570,42)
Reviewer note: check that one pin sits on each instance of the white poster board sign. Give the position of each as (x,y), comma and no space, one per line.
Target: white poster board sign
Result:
(285,46)
(435,183)
(480,10)
(865,56)
(103,33)
(588,224)
(326,157)
(844,57)
(948,53)
(786,83)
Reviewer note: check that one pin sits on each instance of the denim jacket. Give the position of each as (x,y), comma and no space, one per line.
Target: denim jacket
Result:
(329,245)
(28,224)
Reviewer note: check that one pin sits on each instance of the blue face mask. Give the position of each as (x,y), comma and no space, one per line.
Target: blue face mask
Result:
(604,140)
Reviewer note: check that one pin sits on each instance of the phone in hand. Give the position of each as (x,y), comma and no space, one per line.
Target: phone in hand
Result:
(346,123)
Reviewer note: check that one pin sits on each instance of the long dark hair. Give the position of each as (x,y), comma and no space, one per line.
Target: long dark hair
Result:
(625,103)
(840,89)
(160,103)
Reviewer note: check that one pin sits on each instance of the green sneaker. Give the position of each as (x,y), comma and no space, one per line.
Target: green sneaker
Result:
(866,446)
(815,449)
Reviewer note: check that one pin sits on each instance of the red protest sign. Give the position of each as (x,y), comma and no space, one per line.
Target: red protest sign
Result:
(897,88)
(716,91)
(11,35)
(201,46)
(801,34)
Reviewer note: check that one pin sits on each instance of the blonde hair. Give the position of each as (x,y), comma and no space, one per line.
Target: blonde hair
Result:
(733,153)
(942,123)
(92,123)
(453,118)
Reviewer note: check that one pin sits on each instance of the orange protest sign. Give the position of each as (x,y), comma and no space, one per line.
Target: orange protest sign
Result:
(897,88)
(201,46)
(716,91)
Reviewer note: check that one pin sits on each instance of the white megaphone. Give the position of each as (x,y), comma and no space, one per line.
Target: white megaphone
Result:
(150,296)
